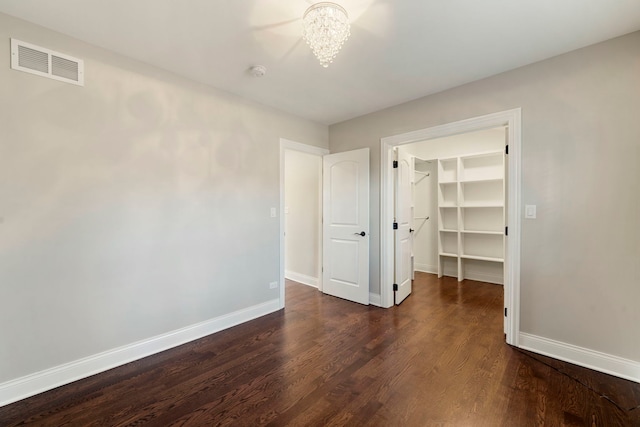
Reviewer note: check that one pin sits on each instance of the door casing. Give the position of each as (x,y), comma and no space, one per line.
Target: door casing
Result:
(512,120)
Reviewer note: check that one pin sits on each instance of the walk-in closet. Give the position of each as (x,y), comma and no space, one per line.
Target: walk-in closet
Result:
(458,205)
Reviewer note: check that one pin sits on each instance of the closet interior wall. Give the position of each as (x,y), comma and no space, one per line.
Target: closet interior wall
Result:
(425,224)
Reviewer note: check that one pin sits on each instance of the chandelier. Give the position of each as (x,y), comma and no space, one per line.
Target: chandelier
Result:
(325,29)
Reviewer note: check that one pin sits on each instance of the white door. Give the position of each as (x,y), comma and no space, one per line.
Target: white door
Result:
(404,218)
(345,231)
(505,192)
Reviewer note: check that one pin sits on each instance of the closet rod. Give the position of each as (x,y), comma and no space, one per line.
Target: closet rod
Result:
(424,218)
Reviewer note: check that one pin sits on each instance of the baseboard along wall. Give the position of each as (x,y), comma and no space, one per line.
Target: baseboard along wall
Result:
(30,385)
(426,268)
(496,280)
(301,278)
(587,358)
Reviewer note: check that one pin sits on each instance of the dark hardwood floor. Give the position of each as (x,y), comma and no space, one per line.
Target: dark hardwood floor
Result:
(437,360)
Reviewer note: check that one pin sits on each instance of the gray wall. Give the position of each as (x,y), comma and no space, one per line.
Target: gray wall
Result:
(130,207)
(580,154)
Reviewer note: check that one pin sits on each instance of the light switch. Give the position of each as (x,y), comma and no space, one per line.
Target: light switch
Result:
(273,212)
(530,211)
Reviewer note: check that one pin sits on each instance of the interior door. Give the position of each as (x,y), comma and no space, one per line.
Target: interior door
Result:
(345,211)
(404,219)
(506,287)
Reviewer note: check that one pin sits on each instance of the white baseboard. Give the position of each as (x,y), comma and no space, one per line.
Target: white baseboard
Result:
(29,385)
(602,362)
(374,299)
(301,278)
(426,268)
(498,280)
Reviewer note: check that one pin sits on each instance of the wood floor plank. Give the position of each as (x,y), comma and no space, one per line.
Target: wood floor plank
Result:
(438,359)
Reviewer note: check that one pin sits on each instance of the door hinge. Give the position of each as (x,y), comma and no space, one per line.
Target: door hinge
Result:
(506,149)
(506,231)
(505,312)
(395,286)
(395,225)
(395,164)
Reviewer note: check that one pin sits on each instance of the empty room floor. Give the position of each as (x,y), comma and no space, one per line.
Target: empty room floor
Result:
(437,359)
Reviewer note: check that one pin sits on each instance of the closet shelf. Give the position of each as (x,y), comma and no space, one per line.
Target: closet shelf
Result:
(448,254)
(480,180)
(497,233)
(447,230)
(483,205)
(481,258)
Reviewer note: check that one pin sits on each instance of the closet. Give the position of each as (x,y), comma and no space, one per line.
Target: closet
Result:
(458,204)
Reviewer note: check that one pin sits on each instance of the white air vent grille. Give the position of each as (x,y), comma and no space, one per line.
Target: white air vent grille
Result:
(46,63)
(64,68)
(33,59)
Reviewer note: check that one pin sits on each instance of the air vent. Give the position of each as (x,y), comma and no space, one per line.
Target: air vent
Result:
(46,63)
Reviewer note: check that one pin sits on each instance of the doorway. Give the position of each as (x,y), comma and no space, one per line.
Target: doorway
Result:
(301,213)
(511,121)
(343,234)
(458,200)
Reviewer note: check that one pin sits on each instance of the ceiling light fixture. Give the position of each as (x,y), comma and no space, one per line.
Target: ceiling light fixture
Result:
(325,29)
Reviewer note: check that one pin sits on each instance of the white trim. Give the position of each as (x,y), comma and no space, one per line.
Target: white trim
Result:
(286,144)
(426,268)
(602,362)
(301,278)
(510,118)
(30,385)
(374,299)
(489,278)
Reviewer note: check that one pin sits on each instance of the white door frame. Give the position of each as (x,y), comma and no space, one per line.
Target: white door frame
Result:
(509,118)
(286,144)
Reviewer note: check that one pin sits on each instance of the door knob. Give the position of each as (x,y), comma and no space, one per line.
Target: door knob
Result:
(362,233)
(411,230)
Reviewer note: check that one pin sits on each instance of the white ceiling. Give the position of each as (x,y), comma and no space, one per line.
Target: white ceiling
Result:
(399,50)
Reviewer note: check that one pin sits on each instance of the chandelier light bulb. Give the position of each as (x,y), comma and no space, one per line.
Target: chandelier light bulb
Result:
(325,29)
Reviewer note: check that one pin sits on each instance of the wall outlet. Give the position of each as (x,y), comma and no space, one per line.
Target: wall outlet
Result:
(273,285)
(273,212)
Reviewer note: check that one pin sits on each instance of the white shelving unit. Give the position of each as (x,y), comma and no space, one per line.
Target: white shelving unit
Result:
(471,211)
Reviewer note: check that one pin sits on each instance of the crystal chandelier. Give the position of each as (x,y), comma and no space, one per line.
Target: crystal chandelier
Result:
(325,28)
